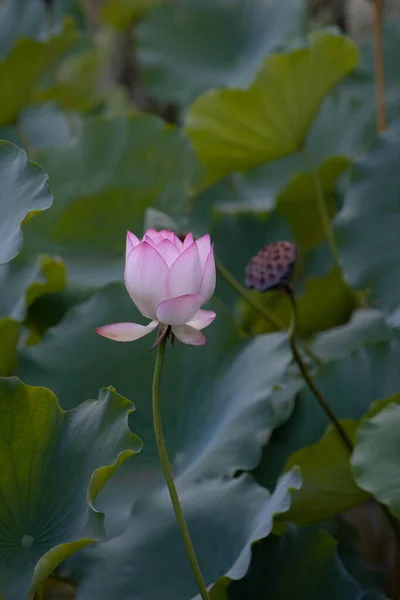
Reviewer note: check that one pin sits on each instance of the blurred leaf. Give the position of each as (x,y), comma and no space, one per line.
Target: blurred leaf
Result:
(103,181)
(328,485)
(233,130)
(326,302)
(219,402)
(337,135)
(190,46)
(77,82)
(122,13)
(255,190)
(23,67)
(360,83)
(9,334)
(350,385)
(303,563)
(297,202)
(23,284)
(20,19)
(366,326)
(54,279)
(57,589)
(344,126)
(224,518)
(47,125)
(375,465)
(47,503)
(368,225)
(23,189)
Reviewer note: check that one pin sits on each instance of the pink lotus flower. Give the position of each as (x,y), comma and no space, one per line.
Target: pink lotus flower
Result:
(169,281)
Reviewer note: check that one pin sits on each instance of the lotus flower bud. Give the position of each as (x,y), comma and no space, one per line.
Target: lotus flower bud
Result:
(168,280)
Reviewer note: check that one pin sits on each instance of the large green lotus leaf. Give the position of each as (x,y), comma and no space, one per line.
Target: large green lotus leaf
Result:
(9,335)
(53,465)
(219,403)
(103,181)
(369,222)
(374,460)
(188,47)
(366,326)
(328,485)
(224,518)
(24,189)
(339,133)
(22,284)
(233,129)
(22,69)
(303,563)
(349,385)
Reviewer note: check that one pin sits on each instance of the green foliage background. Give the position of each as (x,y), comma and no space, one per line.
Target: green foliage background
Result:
(218,116)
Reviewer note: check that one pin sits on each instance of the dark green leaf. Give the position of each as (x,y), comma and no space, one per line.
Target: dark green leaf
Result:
(224,519)
(328,486)
(103,181)
(23,189)
(304,564)
(349,385)
(375,464)
(218,402)
(54,463)
(22,284)
(22,68)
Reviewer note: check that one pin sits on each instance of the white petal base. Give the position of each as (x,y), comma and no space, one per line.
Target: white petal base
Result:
(126,332)
(189,335)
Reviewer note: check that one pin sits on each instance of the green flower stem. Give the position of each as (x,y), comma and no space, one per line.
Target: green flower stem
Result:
(168,472)
(307,377)
(325,406)
(322,207)
(262,310)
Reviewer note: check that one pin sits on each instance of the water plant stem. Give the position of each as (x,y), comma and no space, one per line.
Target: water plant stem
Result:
(307,377)
(392,521)
(239,289)
(162,450)
(262,310)
(379,68)
(322,206)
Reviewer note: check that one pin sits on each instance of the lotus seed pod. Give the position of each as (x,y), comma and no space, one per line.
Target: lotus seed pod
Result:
(272,267)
